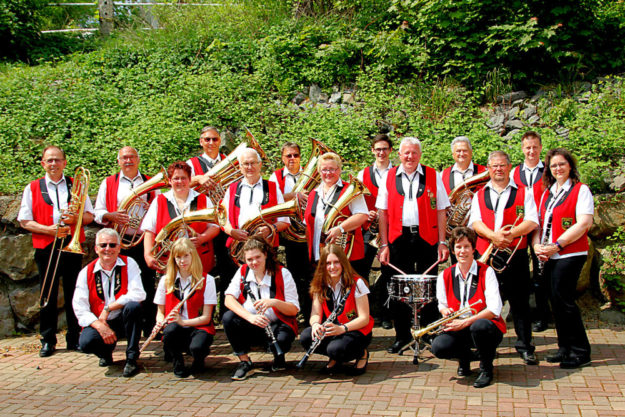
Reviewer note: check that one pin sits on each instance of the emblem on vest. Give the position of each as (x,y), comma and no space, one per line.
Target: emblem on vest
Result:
(566,222)
(352,314)
(432,199)
(520,211)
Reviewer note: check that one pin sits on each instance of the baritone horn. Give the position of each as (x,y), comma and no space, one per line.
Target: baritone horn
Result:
(460,198)
(76,207)
(136,207)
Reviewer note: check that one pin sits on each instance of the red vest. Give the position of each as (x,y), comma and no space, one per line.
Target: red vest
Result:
(199,166)
(426,202)
(358,251)
(270,199)
(165,212)
(369,180)
(96,292)
(276,291)
(476,292)
(563,218)
(43,209)
(280,178)
(537,188)
(194,305)
(514,206)
(448,179)
(349,312)
(112,185)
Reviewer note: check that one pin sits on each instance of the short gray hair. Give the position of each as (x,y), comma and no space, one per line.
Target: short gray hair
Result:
(124,147)
(410,140)
(459,139)
(107,231)
(247,151)
(500,154)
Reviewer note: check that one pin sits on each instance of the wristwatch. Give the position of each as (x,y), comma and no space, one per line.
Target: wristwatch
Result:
(443,242)
(341,228)
(107,309)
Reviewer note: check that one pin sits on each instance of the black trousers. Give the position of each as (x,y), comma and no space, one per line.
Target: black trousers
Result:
(482,334)
(178,339)
(69,266)
(127,324)
(563,274)
(298,264)
(514,286)
(242,335)
(225,268)
(541,287)
(148,279)
(413,255)
(342,348)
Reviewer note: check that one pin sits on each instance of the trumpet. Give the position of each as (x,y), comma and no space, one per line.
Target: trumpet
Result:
(76,207)
(438,326)
(499,259)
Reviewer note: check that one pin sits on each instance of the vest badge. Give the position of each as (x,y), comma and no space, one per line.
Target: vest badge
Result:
(520,211)
(432,198)
(351,315)
(566,222)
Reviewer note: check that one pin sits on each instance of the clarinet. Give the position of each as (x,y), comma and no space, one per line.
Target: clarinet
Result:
(545,240)
(268,330)
(338,309)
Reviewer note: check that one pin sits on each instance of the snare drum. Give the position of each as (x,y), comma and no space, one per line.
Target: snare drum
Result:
(413,288)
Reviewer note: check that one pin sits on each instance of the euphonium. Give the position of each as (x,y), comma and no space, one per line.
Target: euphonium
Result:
(136,207)
(498,259)
(266,217)
(227,170)
(334,217)
(75,207)
(307,181)
(178,227)
(438,326)
(460,198)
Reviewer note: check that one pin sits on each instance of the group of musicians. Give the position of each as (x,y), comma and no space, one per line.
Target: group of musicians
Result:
(400,215)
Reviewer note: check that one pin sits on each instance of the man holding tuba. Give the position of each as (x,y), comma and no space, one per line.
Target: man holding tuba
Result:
(44,213)
(114,189)
(463,168)
(210,141)
(502,214)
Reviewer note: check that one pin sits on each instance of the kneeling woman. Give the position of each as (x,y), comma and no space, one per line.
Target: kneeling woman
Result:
(192,329)
(349,336)
(262,302)
(457,287)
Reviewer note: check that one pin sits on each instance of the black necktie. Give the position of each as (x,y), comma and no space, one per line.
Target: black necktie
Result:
(411,181)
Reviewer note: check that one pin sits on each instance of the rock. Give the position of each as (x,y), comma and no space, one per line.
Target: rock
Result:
(348,98)
(496,121)
(335,97)
(512,133)
(511,97)
(583,283)
(323,98)
(7,322)
(618,183)
(299,98)
(514,124)
(609,215)
(25,305)
(562,131)
(517,103)
(314,93)
(533,120)
(528,111)
(612,316)
(17,260)
(9,208)
(512,113)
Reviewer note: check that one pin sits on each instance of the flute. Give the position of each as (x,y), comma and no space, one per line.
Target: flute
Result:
(268,330)
(159,326)
(338,309)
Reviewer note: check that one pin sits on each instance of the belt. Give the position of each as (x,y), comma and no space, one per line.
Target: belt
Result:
(410,229)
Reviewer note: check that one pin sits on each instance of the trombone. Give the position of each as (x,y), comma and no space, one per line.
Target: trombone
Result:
(499,262)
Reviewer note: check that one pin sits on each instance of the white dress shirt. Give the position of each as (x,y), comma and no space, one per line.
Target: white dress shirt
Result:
(410,212)
(126,185)
(531,174)
(210,293)
(149,221)
(26,207)
(206,159)
(80,302)
(491,289)
(290,291)
(250,210)
(379,173)
(361,290)
(460,176)
(289,179)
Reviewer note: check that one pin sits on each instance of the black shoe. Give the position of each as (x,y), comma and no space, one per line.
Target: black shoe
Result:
(279,363)
(180,370)
(130,368)
(244,369)
(464,368)
(387,325)
(556,357)
(108,361)
(47,349)
(483,379)
(539,326)
(74,347)
(331,370)
(355,370)
(574,362)
(396,347)
(197,366)
(529,358)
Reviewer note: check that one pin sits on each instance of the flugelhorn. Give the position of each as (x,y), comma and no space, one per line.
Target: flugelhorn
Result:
(76,207)
(499,259)
(460,198)
(136,207)
(438,326)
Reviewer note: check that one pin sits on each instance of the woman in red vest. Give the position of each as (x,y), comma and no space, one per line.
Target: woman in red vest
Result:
(565,213)
(263,305)
(463,284)
(347,338)
(191,328)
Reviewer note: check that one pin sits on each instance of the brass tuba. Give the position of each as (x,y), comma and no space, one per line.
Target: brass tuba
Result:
(136,207)
(460,198)
(266,217)
(178,227)
(76,207)
(308,180)
(335,217)
(227,171)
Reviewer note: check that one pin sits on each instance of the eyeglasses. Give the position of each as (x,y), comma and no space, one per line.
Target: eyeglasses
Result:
(53,160)
(249,164)
(378,150)
(292,155)
(207,139)
(329,170)
(110,245)
(502,166)
(558,165)
(128,157)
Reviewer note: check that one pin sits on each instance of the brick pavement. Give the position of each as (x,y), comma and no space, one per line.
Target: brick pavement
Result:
(71,383)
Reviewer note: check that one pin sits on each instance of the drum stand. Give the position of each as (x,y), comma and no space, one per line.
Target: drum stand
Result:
(416,306)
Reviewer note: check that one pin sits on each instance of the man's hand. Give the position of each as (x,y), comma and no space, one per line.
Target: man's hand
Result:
(207,182)
(333,234)
(69,218)
(443,253)
(104,315)
(384,255)
(118,217)
(63,230)
(373,214)
(107,334)
(264,231)
(502,239)
(239,234)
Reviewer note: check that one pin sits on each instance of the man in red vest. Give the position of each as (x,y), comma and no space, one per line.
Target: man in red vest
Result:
(43,213)
(503,214)
(530,174)
(411,202)
(381,148)
(210,141)
(463,168)
(113,190)
(107,302)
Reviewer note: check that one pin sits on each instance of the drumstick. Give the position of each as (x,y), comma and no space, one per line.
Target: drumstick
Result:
(397,269)
(430,268)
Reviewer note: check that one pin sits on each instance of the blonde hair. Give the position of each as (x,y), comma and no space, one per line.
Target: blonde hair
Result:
(329,156)
(182,247)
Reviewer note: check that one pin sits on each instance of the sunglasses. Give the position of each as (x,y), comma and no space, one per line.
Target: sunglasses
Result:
(211,139)
(292,155)
(110,245)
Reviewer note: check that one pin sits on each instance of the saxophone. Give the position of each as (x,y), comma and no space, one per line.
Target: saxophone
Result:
(460,198)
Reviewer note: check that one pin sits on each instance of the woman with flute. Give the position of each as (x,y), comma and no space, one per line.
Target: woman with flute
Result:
(263,305)
(191,328)
(566,212)
(348,338)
